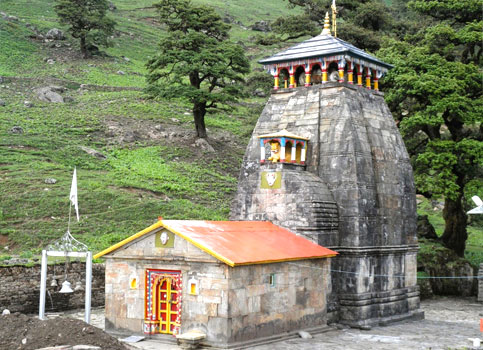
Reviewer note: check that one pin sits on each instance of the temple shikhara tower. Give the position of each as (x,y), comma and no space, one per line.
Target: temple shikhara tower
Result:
(327,162)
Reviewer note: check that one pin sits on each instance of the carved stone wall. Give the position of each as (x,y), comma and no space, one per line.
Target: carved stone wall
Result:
(357,169)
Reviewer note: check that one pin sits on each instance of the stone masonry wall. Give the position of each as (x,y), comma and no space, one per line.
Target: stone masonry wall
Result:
(296,301)
(20,288)
(356,151)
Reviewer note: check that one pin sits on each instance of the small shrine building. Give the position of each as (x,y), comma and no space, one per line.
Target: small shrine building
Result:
(236,282)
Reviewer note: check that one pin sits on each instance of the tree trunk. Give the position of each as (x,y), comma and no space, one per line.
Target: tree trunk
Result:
(455,235)
(83,47)
(199,111)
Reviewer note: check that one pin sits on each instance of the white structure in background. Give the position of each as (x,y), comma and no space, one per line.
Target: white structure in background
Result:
(67,247)
(479,206)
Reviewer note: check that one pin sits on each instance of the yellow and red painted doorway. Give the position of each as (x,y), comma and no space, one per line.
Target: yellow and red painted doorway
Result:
(163,297)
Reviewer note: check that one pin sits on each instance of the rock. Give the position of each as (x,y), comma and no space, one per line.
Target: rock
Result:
(2,103)
(68,99)
(174,120)
(204,145)
(304,335)
(6,312)
(126,59)
(425,229)
(93,152)
(50,61)
(259,93)
(48,94)
(50,181)
(228,19)
(365,327)
(28,104)
(55,34)
(16,130)
(425,290)
(112,7)
(131,136)
(120,72)
(159,127)
(86,347)
(261,26)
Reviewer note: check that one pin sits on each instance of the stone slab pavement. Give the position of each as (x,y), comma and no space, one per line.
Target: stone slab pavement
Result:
(448,324)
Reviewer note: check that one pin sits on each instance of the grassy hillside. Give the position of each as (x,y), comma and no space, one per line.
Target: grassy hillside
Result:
(150,166)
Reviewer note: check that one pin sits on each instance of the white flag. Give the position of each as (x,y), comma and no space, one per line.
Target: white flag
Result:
(73,193)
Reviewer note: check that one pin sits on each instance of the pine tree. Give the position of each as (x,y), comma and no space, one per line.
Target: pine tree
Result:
(195,60)
(87,22)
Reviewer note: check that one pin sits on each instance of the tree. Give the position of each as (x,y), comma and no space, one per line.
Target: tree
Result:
(359,20)
(196,60)
(435,93)
(87,22)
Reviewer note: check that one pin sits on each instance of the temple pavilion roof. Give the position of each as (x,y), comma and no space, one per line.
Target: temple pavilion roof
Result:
(283,133)
(322,46)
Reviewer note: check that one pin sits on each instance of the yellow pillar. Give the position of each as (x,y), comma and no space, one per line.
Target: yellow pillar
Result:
(368,78)
(376,84)
(359,75)
(341,75)
(285,83)
(307,79)
(350,73)
(324,76)
(276,83)
(292,81)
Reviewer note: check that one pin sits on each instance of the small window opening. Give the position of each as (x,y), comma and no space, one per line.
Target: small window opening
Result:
(271,280)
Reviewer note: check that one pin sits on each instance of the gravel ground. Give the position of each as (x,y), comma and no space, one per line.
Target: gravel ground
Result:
(448,324)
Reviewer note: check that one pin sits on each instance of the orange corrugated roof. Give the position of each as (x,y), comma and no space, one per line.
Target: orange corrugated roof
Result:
(246,242)
(239,242)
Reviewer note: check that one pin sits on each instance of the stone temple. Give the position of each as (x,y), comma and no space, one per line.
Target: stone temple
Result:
(327,162)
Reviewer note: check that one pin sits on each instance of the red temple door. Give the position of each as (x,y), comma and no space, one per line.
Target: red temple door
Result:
(168,306)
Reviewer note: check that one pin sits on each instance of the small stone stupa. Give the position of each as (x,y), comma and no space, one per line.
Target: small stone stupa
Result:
(327,162)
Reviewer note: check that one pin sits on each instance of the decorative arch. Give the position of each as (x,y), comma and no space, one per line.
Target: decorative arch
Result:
(300,76)
(284,77)
(316,74)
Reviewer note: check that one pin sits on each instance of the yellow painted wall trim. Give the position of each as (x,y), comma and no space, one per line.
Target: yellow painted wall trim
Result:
(129,239)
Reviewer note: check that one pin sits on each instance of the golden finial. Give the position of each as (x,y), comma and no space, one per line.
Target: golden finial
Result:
(326,30)
(334,18)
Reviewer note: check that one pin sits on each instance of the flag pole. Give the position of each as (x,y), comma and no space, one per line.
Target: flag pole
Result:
(70,209)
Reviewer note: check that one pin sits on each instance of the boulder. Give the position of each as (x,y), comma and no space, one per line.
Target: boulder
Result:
(259,93)
(93,152)
(49,94)
(261,26)
(204,145)
(2,103)
(55,34)
(435,260)
(16,130)
(425,229)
